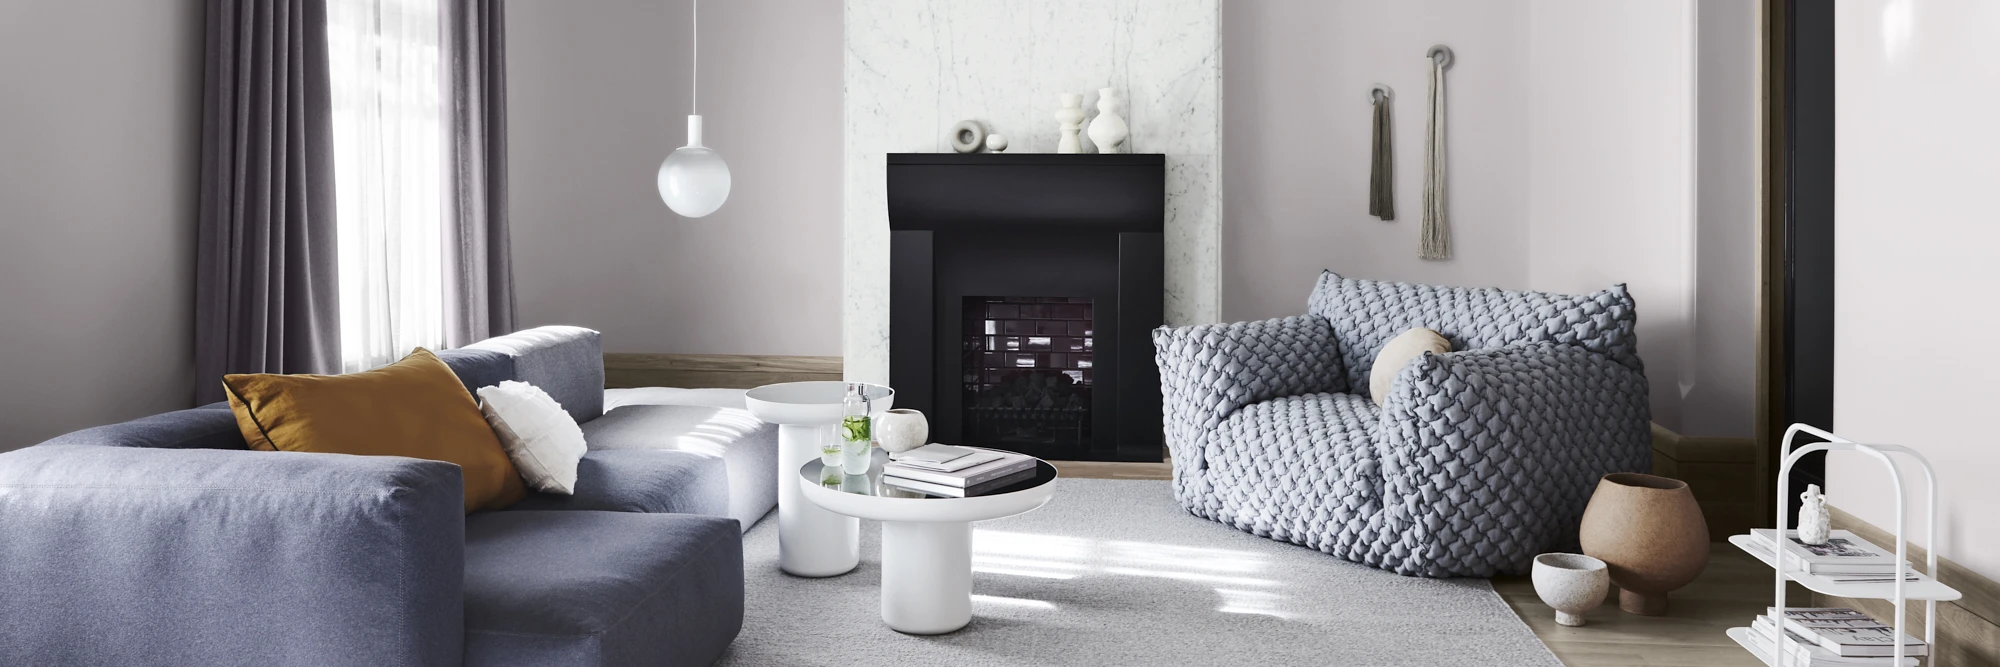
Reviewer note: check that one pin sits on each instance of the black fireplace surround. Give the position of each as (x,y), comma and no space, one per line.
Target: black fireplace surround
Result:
(1023,291)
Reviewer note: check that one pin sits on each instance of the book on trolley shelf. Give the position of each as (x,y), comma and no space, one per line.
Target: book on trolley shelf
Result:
(1844,555)
(1848,632)
(1805,652)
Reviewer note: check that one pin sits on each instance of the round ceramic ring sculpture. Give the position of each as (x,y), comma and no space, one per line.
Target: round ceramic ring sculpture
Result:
(967,136)
(1650,534)
(1571,584)
(901,430)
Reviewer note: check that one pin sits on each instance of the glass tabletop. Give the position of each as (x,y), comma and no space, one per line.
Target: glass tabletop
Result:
(872,484)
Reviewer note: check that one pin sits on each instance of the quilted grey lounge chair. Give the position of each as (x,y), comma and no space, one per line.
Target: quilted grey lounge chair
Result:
(1480,458)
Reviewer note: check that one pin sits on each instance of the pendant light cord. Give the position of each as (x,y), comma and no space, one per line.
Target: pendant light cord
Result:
(694,95)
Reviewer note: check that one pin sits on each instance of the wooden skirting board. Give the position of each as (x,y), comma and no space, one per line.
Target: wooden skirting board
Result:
(1968,628)
(728,371)
(1722,473)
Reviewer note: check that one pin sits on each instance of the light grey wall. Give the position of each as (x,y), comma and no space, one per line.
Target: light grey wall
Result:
(101,116)
(598,96)
(1565,173)
(1296,115)
(1721,399)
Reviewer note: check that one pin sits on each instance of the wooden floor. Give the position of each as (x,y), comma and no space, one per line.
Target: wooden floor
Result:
(1734,589)
(1729,593)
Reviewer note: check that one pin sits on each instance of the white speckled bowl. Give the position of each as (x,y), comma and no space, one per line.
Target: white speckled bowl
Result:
(1571,584)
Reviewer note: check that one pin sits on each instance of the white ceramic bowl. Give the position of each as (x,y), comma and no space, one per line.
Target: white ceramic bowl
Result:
(1571,584)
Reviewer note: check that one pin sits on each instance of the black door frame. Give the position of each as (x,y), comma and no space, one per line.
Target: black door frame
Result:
(1805,238)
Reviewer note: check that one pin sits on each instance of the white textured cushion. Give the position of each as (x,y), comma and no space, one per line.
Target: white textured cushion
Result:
(1396,354)
(542,439)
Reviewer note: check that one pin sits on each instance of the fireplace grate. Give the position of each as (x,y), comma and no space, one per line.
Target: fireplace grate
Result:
(1028,370)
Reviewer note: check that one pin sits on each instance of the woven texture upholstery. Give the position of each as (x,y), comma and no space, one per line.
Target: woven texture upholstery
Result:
(1365,314)
(1478,460)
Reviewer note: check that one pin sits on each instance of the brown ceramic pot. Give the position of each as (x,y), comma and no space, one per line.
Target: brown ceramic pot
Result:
(1651,535)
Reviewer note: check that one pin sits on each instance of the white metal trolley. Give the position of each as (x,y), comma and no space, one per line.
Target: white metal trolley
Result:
(1925,587)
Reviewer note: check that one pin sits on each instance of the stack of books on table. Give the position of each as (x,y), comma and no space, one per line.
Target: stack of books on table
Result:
(957,472)
(1836,637)
(1844,558)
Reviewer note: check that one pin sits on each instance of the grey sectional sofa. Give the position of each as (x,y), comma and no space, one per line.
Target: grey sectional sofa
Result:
(162,541)
(1478,460)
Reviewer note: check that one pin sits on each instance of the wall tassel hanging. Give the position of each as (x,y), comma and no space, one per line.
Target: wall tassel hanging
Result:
(1381,160)
(1436,232)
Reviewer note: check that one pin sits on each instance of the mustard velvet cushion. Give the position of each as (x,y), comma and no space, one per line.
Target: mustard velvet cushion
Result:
(1399,352)
(415,407)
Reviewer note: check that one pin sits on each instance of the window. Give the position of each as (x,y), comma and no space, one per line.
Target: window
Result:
(389,133)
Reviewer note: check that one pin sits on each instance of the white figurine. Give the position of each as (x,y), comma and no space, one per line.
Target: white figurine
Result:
(1071,118)
(1814,524)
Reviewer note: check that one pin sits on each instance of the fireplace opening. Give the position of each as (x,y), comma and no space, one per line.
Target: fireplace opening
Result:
(1028,372)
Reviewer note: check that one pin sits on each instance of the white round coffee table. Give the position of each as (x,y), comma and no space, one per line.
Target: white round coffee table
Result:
(812,542)
(926,540)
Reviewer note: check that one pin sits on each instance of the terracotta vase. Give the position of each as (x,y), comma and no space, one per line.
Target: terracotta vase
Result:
(1650,534)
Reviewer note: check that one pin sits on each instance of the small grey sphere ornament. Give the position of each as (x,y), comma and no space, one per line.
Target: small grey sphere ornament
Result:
(996,143)
(967,136)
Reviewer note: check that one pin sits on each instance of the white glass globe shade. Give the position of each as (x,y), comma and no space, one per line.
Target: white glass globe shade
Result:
(694,181)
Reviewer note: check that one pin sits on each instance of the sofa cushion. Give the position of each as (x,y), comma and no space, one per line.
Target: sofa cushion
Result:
(478,368)
(746,446)
(200,428)
(543,441)
(415,408)
(600,588)
(567,362)
(1399,352)
(1365,314)
(637,480)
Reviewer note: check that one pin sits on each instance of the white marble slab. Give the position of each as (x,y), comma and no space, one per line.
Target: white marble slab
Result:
(916,67)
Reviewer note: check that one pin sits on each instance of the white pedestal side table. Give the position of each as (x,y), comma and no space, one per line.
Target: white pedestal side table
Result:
(926,540)
(812,542)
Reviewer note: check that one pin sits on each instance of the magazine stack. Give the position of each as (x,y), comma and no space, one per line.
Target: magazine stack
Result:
(1835,637)
(957,472)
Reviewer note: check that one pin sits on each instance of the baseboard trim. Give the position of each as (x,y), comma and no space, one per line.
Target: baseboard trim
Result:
(1722,473)
(1968,628)
(729,371)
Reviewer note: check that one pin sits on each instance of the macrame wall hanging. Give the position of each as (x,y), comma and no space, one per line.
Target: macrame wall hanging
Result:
(1381,159)
(1436,232)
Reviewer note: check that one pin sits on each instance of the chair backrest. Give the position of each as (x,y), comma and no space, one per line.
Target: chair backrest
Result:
(1365,314)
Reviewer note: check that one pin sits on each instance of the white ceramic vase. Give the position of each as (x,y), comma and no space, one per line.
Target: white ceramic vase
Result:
(901,430)
(1108,130)
(1815,525)
(1071,117)
(1571,584)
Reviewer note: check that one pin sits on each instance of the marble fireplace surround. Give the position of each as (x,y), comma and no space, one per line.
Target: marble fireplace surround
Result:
(916,67)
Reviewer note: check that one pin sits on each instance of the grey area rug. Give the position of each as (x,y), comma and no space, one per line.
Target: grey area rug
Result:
(1115,573)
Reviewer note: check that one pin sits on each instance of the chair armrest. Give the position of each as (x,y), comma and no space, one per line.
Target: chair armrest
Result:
(653,481)
(134,556)
(1208,371)
(1472,441)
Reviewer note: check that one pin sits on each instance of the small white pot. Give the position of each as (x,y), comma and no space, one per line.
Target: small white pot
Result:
(901,430)
(1571,584)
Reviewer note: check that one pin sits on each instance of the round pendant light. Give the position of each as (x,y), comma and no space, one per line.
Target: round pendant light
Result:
(694,180)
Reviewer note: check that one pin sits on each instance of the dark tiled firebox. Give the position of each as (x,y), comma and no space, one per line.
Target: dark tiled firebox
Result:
(1023,289)
(1027,368)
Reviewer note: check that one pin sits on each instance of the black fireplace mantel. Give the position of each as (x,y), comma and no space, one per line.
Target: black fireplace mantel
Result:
(1082,231)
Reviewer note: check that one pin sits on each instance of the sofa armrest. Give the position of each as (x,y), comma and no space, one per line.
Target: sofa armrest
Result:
(654,481)
(1471,441)
(1209,371)
(134,556)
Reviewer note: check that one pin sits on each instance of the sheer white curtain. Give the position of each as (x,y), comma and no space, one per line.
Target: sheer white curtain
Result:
(389,122)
